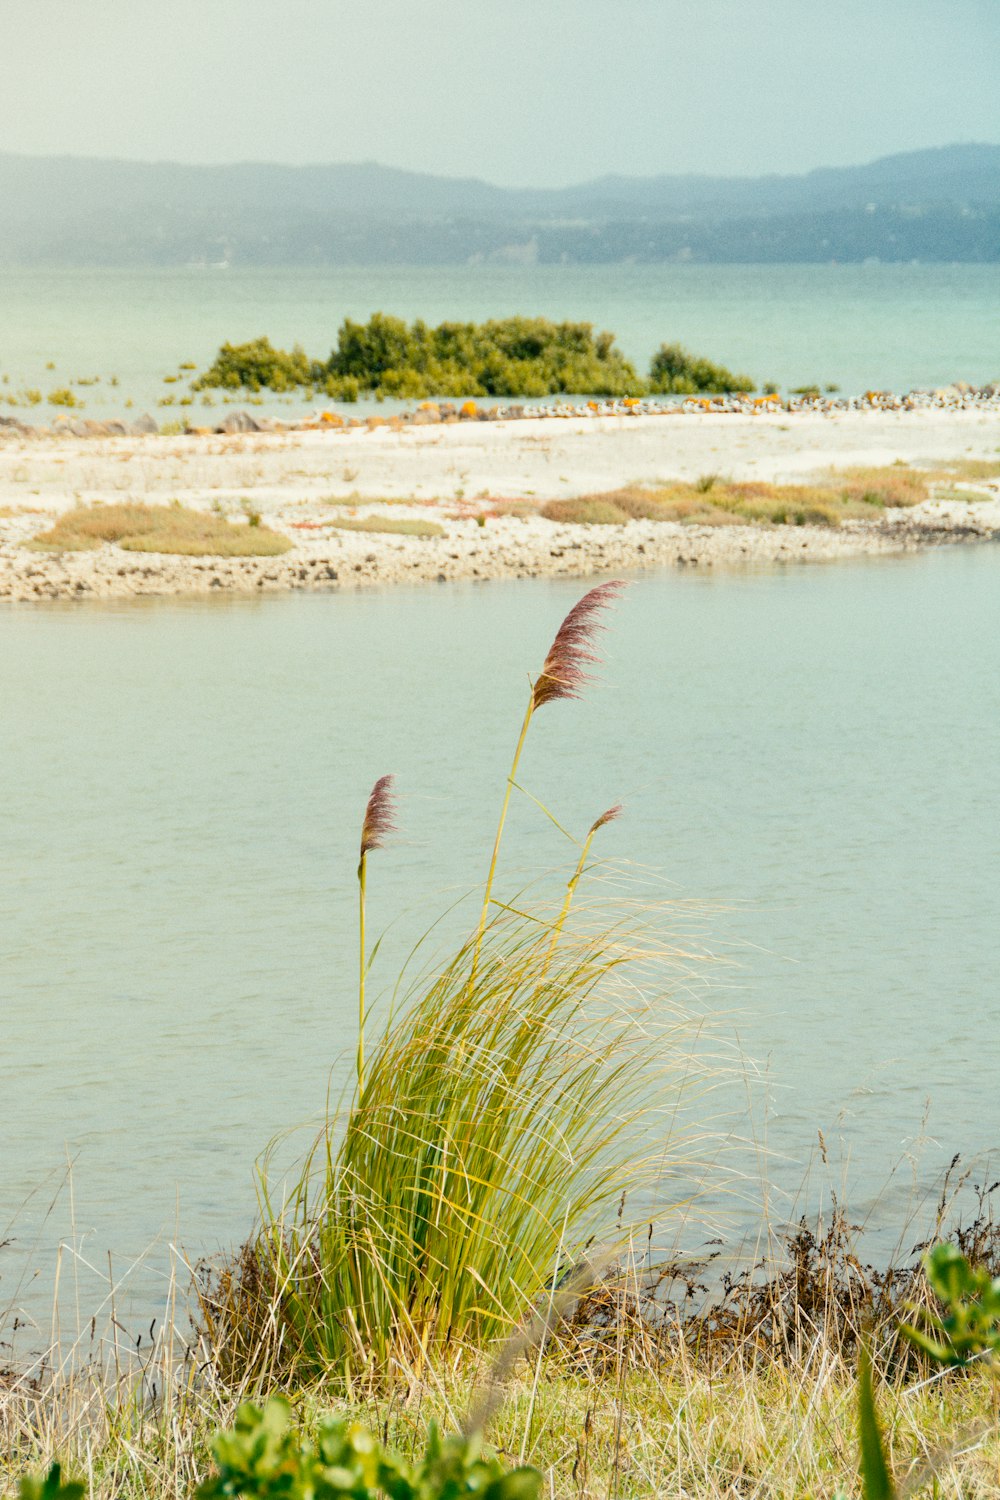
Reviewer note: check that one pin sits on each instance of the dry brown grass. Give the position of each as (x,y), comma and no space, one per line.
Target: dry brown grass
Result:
(850,494)
(896,485)
(158,528)
(586,510)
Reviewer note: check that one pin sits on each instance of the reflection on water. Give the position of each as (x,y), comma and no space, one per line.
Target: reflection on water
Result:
(813,752)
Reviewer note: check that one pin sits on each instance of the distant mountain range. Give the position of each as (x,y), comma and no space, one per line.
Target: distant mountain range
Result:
(936,205)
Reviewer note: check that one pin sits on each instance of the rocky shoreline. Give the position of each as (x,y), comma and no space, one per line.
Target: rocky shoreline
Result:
(463,477)
(507,549)
(960,397)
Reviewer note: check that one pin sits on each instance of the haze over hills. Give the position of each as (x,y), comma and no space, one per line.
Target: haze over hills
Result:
(932,205)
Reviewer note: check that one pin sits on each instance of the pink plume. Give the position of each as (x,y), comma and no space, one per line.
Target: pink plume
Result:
(564,672)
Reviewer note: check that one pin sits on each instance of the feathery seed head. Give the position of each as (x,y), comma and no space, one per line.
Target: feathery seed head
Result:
(380,816)
(564,672)
(607,817)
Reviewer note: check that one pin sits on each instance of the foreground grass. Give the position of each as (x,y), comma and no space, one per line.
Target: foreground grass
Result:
(158,528)
(673,1430)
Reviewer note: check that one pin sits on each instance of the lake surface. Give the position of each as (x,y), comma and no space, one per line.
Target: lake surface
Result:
(890,326)
(813,751)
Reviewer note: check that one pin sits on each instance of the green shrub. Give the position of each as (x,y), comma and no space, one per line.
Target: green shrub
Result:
(675,371)
(63,396)
(263,1459)
(512,357)
(256,366)
(389,357)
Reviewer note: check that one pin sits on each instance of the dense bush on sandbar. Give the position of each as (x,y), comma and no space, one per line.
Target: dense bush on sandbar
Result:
(257,366)
(159,528)
(502,357)
(675,371)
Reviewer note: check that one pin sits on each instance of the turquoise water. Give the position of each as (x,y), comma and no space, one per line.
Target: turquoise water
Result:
(813,752)
(892,327)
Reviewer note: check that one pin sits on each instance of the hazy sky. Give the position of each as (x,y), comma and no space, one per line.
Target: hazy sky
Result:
(533,92)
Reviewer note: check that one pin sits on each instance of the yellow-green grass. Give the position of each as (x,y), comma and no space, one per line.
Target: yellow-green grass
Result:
(963,496)
(158,528)
(392,525)
(850,494)
(637,1431)
(524,1089)
(973,468)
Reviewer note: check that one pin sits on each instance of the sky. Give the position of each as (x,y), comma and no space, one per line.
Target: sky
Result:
(520,92)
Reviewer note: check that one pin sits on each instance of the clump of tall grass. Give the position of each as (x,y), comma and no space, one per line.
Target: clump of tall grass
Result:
(527,1088)
(158,528)
(495,1136)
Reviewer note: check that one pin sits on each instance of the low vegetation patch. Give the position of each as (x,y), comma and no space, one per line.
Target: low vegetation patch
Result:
(586,510)
(502,357)
(973,468)
(393,525)
(853,494)
(158,528)
(63,396)
(676,371)
(896,485)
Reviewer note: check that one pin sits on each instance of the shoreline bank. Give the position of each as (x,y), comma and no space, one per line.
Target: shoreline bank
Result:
(354,560)
(462,477)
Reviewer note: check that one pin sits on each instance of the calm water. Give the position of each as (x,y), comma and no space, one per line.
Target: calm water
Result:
(182,782)
(856,326)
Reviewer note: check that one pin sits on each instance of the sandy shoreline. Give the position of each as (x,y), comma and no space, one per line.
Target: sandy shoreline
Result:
(449,473)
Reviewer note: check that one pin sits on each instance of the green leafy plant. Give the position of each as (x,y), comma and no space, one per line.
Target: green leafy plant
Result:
(966,1329)
(51,1487)
(969,1325)
(262,1458)
(676,371)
